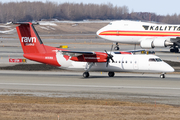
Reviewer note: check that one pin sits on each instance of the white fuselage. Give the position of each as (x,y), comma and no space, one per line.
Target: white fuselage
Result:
(122,62)
(134,32)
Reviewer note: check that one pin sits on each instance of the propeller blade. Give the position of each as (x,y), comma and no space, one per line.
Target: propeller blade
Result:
(107,62)
(109,56)
(112,59)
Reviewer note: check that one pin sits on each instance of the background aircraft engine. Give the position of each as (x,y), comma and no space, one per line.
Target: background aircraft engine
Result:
(157,42)
(161,42)
(147,44)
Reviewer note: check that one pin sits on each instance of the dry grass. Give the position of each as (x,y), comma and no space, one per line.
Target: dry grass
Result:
(44,108)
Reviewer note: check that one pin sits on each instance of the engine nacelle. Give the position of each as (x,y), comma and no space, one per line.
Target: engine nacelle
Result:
(147,44)
(157,42)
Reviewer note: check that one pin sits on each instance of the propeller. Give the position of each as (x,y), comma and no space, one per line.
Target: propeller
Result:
(109,57)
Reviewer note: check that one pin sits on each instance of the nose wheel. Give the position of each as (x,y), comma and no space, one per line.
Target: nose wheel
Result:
(116,47)
(162,76)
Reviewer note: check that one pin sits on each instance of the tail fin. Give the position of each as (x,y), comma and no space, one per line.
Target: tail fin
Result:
(29,38)
(33,47)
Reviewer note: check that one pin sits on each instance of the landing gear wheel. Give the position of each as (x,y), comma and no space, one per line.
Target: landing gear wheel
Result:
(176,50)
(162,76)
(116,48)
(172,50)
(86,74)
(111,74)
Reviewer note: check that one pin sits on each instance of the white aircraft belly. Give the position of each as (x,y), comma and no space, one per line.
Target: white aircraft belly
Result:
(123,39)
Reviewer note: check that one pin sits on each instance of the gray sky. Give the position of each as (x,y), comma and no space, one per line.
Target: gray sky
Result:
(160,7)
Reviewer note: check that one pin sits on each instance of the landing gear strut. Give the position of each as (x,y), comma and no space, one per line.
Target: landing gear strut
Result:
(111,74)
(87,68)
(116,47)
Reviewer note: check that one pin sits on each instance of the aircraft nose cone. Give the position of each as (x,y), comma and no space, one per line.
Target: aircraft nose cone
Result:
(169,68)
(98,32)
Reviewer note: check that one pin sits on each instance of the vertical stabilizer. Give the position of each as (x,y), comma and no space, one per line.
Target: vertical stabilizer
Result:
(29,39)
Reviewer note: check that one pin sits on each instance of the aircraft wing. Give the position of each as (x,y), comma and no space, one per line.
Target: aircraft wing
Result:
(86,56)
(76,53)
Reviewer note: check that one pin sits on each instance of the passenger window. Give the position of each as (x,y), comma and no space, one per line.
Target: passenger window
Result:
(130,61)
(119,61)
(126,61)
(122,61)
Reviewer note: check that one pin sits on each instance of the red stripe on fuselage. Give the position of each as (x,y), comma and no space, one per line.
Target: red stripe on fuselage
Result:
(139,33)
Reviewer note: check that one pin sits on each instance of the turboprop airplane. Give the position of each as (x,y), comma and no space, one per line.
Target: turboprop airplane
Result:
(35,50)
(147,34)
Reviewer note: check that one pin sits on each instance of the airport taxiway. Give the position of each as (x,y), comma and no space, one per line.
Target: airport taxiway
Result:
(125,86)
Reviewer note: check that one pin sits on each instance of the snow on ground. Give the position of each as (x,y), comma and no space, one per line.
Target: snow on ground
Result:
(8,31)
(47,28)
(51,23)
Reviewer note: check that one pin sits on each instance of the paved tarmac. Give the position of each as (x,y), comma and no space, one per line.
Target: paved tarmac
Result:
(147,88)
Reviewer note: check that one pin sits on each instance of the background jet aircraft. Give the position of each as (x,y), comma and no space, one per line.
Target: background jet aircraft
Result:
(147,34)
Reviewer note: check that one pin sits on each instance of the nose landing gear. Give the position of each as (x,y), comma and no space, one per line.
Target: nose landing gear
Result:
(162,75)
(116,47)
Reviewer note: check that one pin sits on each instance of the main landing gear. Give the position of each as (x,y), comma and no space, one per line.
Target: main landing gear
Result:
(111,74)
(176,50)
(86,74)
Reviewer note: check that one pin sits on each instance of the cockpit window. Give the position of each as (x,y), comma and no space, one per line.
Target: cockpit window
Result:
(152,60)
(155,60)
(110,23)
(158,60)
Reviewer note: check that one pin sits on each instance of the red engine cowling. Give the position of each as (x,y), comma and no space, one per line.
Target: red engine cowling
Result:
(97,57)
